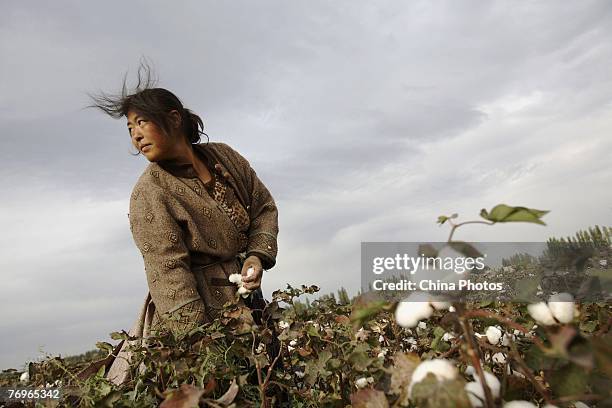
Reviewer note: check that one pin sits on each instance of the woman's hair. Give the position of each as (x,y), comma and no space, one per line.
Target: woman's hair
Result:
(150,102)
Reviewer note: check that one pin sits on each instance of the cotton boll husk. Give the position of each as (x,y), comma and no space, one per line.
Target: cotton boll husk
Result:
(493,334)
(443,370)
(562,307)
(235,278)
(541,313)
(519,404)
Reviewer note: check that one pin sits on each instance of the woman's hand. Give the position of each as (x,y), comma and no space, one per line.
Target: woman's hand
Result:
(252,282)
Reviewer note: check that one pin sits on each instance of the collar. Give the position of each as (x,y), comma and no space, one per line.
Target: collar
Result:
(185,169)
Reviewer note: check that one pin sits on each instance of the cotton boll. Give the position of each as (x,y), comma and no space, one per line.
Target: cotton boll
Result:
(519,404)
(469,370)
(408,314)
(25,377)
(475,393)
(452,309)
(492,382)
(493,334)
(422,325)
(541,313)
(293,343)
(283,325)
(235,278)
(447,337)
(441,305)
(300,374)
(499,358)
(361,382)
(370,380)
(562,307)
(580,404)
(507,339)
(242,291)
(441,368)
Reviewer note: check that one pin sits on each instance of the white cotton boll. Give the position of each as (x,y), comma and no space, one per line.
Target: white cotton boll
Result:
(441,305)
(250,271)
(469,370)
(293,342)
(422,325)
(381,338)
(447,337)
(480,335)
(290,348)
(452,309)
(370,380)
(541,313)
(283,325)
(492,382)
(507,339)
(408,314)
(562,307)
(475,393)
(519,404)
(603,262)
(517,332)
(244,292)
(361,382)
(25,377)
(443,370)
(499,358)
(580,404)
(299,374)
(235,278)
(493,334)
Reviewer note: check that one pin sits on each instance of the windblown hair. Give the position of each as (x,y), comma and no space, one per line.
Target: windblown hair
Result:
(151,102)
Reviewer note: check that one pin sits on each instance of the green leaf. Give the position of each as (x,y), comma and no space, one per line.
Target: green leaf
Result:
(442,219)
(569,380)
(431,393)
(505,213)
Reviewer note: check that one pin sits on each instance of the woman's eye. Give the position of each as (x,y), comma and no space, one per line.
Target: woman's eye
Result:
(141,121)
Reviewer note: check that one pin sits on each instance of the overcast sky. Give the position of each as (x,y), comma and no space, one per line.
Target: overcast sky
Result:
(365,120)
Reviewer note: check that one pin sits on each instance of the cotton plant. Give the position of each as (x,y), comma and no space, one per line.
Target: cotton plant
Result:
(236,279)
(494,334)
(559,309)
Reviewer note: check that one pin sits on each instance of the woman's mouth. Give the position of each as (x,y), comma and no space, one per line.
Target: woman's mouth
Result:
(146,148)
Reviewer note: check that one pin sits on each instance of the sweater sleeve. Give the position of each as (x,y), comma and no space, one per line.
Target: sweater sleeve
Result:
(263,229)
(167,263)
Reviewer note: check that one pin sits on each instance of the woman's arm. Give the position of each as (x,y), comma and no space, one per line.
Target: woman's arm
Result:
(167,263)
(263,231)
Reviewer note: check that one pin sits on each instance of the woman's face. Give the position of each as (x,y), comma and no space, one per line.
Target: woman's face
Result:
(149,138)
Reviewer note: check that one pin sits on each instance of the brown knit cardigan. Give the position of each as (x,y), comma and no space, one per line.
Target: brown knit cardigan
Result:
(189,244)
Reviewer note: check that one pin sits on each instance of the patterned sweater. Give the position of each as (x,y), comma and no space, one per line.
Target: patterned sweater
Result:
(190,235)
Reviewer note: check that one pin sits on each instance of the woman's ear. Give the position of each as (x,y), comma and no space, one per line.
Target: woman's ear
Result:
(175,118)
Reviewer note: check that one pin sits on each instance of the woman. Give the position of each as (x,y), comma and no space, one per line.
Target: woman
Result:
(198,213)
